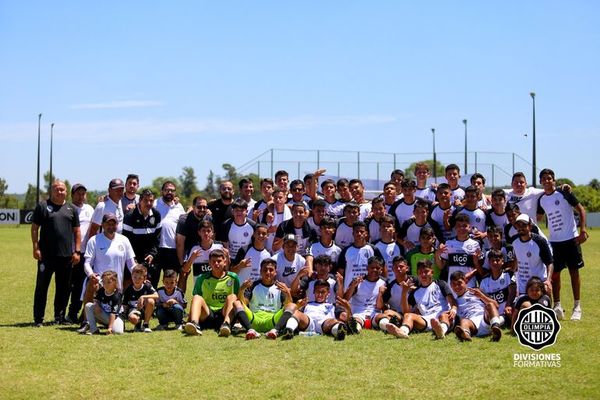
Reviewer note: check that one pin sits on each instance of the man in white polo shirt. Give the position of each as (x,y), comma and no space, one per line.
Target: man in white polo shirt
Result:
(170,211)
(111,204)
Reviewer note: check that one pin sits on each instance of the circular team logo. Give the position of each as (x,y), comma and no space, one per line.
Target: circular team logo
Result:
(557,202)
(229,283)
(469,247)
(151,221)
(246,234)
(528,254)
(49,208)
(477,219)
(537,327)
(121,248)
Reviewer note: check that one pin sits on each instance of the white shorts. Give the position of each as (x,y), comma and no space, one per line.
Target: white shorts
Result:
(315,325)
(365,315)
(483,328)
(428,319)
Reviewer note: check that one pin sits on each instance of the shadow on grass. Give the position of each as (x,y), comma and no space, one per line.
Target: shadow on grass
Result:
(44,325)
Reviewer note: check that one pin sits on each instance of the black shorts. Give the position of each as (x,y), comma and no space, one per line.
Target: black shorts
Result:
(214,320)
(567,254)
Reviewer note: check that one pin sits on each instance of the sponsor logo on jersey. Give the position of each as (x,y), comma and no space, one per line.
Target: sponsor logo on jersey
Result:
(537,327)
(219,296)
(229,283)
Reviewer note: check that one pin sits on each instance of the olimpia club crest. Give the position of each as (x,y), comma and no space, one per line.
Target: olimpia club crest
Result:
(537,327)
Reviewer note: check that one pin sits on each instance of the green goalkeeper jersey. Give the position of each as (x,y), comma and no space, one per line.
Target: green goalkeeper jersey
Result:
(215,290)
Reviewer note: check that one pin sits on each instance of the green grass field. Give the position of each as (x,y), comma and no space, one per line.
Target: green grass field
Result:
(55,362)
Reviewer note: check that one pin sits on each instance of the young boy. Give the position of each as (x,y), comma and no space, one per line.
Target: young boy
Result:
(452,174)
(362,294)
(423,191)
(343,233)
(478,313)
(171,302)
(265,305)
(214,294)
(408,233)
(105,308)
(319,316)
(276,213)
(442,211)
(460,254)
(374,221)
(500,285)
(564,238)
(496,215)
(353,259)
(322,271)
(140,297)
(404,208)
(476,215)
(389,299)
(333,207)
(326,245)
(494,238)
(429,306)
(197,259)
(247,262)
(387,246)
(425,250)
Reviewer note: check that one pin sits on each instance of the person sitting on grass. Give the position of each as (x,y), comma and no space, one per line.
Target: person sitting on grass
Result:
(196,261)
(429,306)
(214,295)
(105,307)
(478,313)
(305,284)
(535,294)
(389,299)
(319,316)
(362,294)
(500,286)
(265,305)
(140,297)
(171,302)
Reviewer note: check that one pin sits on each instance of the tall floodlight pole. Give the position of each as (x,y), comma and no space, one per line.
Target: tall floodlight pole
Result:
(37,190)
(465,122)
(534,163)
(51,140)
(434,157)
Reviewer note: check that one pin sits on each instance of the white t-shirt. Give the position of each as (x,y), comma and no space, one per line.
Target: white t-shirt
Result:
(169,216)
(103,254)
(527,202)
(85,218)
(109,206)
(288,270)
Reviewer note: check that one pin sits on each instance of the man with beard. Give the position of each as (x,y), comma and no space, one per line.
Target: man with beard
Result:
(142,227)
(170,211)
(55,250)
(221,208)
(246,190)
(130,197)
(187,227)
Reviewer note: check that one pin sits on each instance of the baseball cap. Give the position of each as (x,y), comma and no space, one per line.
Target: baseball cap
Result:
(290,236)
(76,187)
(116,184)
(523,217)
(108,217)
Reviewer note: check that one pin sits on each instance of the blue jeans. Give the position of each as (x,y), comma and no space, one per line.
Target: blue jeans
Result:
(171,314)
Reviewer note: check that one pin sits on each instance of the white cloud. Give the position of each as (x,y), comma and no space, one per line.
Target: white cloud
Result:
(117,104)
(123,131)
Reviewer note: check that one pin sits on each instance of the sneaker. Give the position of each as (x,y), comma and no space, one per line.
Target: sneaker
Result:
(462,334)
(394,330)
(252,334)
(496,333)
(84,328)
(288,334)
(272,334)
(560,313)
(180,328)
(192,329)
(341,333)
(161,327)
(237,328)
(437,329)
(353,326)
(147,329)
(576,316)
(96,332)
(225,330)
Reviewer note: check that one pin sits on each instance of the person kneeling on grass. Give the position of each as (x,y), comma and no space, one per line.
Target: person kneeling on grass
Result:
(500,285)
(140,297)
(535,294)
(362,294)
(429,306)
(319,316)
(265,305)
(171,302)
(478,313)
(214,296)
(105,307)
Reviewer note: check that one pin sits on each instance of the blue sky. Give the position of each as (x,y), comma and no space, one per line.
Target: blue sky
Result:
(150,87)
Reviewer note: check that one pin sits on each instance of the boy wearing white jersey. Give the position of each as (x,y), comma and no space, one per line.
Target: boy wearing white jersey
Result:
(353,260)
(362,294)
(478,313)
(500,286)
(564,238)
(247,262)
(197,260)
